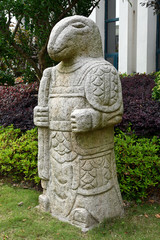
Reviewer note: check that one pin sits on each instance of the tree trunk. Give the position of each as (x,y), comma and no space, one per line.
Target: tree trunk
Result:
(41,57)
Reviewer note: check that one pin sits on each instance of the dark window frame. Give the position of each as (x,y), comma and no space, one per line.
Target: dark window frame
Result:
(113,55)
(158,44)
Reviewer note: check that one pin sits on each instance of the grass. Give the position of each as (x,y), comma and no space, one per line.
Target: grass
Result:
(26,222)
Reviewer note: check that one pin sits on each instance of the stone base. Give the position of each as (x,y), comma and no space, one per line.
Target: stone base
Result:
(88,211)
(44,203)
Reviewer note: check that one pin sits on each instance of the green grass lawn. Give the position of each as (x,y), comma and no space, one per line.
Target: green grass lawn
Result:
(26,222)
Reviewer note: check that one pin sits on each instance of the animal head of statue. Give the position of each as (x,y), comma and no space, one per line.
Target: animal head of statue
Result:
(73,37)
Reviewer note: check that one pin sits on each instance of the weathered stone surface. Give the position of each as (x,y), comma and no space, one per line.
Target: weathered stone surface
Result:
(80,101)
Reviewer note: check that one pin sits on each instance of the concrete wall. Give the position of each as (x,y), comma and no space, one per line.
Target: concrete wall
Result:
(146,40)
(98,16)
(127,37)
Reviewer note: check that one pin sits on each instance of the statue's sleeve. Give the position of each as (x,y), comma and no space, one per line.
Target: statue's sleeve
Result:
(103,91)
(44,88)
(43,132)
(103,88)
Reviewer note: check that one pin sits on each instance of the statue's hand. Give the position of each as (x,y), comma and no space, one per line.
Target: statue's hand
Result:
(81,120)
(41,116)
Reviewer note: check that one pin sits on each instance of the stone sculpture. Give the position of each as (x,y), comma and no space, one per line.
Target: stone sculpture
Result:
(79,102)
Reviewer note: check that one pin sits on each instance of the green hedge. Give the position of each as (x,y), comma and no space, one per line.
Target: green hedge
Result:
(18,154)
(138,160)
(156,89)
(138,164)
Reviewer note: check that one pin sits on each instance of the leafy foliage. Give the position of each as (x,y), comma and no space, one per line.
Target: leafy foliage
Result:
(156,89)
(155,4)
(24,40)
(16,105)
(6,78)
(139,108)
(138,164)
(18,154)
(138,160)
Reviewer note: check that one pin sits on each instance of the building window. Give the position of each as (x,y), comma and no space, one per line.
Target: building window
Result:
(112,31)
(158,45)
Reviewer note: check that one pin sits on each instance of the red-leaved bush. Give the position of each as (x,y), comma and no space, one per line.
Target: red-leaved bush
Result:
(139,108)
(16,105)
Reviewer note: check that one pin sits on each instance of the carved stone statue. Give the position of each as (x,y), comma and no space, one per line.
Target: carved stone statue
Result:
(79,102)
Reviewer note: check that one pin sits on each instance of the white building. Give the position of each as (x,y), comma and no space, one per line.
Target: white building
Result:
(130,35)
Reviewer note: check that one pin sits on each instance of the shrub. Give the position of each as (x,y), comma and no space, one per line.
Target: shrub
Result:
(18,154)
(138,160)
(156,89)
(138,164)
(139,108)
(16,105)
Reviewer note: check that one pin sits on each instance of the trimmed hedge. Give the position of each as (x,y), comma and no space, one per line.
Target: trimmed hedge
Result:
(156,89)
(18,154)
(16,105)
(138,164)
(138,160)
(140,110)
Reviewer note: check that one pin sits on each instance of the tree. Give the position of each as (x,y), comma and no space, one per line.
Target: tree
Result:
(154,4)
(25,26)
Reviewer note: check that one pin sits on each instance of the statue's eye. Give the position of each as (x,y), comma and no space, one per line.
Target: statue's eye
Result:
(78,25)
